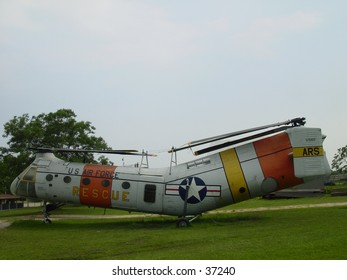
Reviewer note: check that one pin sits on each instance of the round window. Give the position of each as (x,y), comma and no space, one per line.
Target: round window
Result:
(49,177)
(67,179)
(105,183)
(125,185)
(86,181)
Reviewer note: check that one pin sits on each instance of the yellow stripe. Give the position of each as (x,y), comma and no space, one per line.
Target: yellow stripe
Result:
(308,151)
(236,179)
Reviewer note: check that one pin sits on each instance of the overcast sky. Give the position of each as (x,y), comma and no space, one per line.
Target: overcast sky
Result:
(155,74)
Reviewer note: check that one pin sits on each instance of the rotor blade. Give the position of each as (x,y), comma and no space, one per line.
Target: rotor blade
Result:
(294,122)
(238,141)
(116,152)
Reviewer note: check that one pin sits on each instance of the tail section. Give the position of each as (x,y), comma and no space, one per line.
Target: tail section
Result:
(308,154)
(277,162)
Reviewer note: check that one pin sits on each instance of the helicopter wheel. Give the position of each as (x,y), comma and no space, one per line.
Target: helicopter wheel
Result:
(47,221)
(182,223)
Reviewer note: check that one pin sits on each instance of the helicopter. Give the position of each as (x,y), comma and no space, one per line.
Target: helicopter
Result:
(234,167)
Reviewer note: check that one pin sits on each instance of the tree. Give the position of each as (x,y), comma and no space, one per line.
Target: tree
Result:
(10,167)
(339,163)
(55,130)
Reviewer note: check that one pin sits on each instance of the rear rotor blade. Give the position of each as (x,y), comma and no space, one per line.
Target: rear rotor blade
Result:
(294,122)
(238,141)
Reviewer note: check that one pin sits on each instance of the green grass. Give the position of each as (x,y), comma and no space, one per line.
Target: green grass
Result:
(66,210)
(314,233)
(84,210)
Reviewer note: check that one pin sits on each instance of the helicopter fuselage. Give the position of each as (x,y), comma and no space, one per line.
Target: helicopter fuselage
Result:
(254,169)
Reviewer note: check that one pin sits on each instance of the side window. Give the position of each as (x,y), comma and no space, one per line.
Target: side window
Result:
(150,193)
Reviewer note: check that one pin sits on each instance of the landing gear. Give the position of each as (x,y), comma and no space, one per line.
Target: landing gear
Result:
(182,222)
(48,208)
(45,211)
(185,221)
(47,221)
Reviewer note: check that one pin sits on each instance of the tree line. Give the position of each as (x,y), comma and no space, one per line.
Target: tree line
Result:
(58,129)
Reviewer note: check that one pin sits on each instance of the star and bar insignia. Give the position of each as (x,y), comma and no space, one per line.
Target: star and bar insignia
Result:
(197,190)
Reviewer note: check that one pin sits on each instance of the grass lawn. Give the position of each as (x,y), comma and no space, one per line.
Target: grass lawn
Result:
(312,233)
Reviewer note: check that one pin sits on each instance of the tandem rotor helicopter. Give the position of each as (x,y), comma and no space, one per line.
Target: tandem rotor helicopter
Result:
(252,163)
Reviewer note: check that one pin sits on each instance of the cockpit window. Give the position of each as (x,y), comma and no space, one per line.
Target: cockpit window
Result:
(26,183)
(30,175)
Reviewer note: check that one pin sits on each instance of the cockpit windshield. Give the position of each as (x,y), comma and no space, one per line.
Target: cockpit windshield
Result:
(25,185)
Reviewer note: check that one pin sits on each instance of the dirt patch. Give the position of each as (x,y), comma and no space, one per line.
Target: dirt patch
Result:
(4,224)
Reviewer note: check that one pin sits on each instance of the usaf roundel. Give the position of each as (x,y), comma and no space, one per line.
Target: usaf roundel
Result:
(193,189)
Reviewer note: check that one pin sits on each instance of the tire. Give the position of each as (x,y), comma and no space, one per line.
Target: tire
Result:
(182,223)
(47,221)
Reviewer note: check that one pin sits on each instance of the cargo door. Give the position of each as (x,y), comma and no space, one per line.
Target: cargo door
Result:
(150,195)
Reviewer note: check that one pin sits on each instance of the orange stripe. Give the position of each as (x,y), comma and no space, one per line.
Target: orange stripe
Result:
(96,185)
(273,154)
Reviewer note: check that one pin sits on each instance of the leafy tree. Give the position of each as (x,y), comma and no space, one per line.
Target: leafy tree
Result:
(339,163)
(55,130)
(10,167)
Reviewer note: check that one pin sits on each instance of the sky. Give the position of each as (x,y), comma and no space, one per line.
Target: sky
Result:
(155,74)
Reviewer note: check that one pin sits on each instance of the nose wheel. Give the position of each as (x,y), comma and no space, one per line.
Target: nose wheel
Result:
(48,208)
(45,211)
(47,221)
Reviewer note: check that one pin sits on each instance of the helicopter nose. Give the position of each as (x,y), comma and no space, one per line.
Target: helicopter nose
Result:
(14,185)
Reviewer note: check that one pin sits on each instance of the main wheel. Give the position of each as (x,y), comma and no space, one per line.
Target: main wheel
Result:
(182,223)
